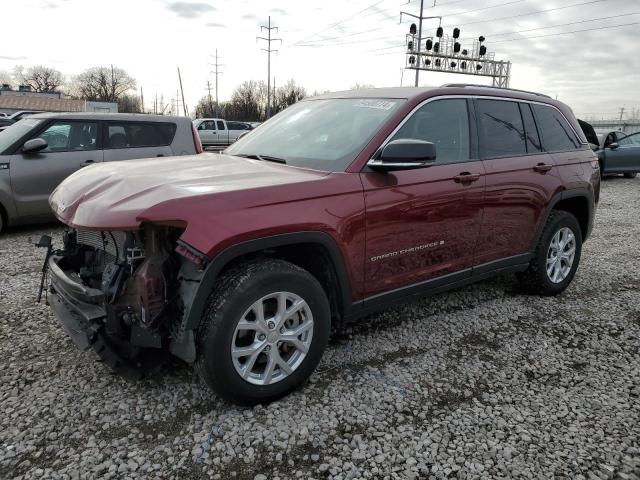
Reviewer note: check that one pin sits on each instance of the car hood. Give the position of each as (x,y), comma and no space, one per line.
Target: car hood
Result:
(121,195)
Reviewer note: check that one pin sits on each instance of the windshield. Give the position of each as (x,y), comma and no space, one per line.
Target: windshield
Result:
(319,134)
(15,132)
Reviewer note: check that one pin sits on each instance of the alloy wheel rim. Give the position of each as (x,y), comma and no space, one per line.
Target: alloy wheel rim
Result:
(561,254)
(272,338)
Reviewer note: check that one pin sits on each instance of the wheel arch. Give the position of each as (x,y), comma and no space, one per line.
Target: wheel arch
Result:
(579,202)
(310,250)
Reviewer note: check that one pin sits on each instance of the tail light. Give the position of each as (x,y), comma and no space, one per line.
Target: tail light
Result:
(196,139)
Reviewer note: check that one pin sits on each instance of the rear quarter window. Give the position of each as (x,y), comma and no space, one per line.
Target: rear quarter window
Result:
(138,134)
(556,133)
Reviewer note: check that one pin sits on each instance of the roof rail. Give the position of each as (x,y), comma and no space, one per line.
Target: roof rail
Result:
(491,86)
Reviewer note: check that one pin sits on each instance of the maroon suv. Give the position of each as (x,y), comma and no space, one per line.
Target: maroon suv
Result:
(340,205)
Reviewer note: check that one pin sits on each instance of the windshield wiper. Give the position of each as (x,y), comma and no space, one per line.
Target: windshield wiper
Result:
(267,158)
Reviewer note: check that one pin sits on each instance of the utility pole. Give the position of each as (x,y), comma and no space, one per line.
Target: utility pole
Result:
(210,101)
(184,105)
(268,39)
(217,72)
(621,112)
(419,40)
(420,18)
(141,100)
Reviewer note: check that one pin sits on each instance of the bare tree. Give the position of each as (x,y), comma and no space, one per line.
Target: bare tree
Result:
(39,78)
(287,95)
(205,107)
(130,104)
(248,102)
(103,84)
(359,86)
(6,78)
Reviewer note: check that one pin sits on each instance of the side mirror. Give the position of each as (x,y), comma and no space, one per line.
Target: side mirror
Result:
(404,154)
(34,145)
(613,145)
(594,146)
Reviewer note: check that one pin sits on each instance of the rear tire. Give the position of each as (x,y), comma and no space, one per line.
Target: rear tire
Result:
(247,348)
(630,175)
(553,266)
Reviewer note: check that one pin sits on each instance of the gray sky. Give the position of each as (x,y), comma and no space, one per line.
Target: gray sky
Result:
(331,45)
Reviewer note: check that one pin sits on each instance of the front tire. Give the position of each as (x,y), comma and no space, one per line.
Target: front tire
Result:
(630,175)
(263,332)
(556,257)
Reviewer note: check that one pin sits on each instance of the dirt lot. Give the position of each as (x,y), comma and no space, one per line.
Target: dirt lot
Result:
(479,383)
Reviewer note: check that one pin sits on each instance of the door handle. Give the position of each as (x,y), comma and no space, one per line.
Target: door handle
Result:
(466,177)
(160,155)
(86,163)
(542,167)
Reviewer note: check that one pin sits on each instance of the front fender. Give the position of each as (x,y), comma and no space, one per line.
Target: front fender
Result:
(197,295)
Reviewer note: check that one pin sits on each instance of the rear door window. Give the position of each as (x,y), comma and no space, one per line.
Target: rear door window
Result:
(557,134)
(220,125)
(138,134)
(70,136)
(500,129)
(445,123)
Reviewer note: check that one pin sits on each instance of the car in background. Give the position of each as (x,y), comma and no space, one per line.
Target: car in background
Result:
(3,114)
(617,151)
(5,122)
(24,113)
(40,151)
(620,153)
(218,133)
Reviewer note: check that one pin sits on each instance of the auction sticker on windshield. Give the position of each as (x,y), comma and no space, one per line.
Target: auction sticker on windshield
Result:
(377,104)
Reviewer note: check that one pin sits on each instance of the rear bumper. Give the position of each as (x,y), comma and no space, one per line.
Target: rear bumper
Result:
(80,310)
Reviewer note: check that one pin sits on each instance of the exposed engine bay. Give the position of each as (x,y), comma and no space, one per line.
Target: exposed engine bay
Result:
(137,273)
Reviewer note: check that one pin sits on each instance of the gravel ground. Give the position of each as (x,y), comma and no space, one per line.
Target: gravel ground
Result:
(479,383)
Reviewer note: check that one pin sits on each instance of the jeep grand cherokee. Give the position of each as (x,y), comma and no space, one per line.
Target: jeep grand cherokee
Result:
(341,205)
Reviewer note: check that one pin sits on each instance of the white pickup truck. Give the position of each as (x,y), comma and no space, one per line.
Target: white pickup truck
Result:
(218,133)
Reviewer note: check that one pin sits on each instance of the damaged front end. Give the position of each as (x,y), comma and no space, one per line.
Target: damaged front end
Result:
(124,294)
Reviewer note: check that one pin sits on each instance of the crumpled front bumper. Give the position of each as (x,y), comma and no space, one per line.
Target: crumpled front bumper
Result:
(79,309)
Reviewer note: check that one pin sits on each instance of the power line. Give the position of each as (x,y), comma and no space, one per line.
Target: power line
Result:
(484,8)
(567,33)
(340,22)
(521,31)
(451,3)
(310,43)
(531,13)
(565,24)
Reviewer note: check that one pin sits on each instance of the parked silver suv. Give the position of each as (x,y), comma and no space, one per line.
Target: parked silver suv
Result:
(40,151)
